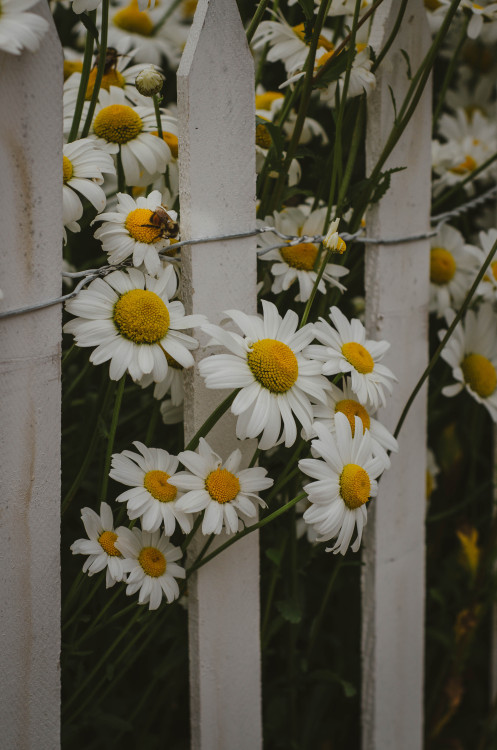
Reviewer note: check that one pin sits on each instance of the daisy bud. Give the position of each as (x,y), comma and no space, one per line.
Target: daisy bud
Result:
(149,81)
(332,241)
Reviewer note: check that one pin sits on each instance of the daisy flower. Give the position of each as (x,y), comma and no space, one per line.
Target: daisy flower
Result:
(480,12)
(344,401)
(119,128)
(275,379)
(79,6)
(173,383)
(346,349)
(100,545)
(488,287)
(151,559)
(361,80)
(83,168)
(346,480)
(471,351)
(151,498)
(130,320)
(136,229)
(297,262)
(220,489)
(453,267)
(20,30)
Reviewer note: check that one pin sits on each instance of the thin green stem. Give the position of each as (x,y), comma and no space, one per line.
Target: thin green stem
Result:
(121,180)
(316,625)
(157,100)
(112,436)
(314,290)
(469,178)
(211,420)
(166,15)
(391,38)
(270,594)
(102,55)
(357,140)
(451,70)
(152,425)
(83,83)
(261,9)
(444,340)
(288,472)
(191,534)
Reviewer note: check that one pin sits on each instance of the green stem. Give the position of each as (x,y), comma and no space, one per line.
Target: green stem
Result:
(261,9)
(391,38)
(319,276)
(76,380)
(83,83)
(450,70)
(211,420)
(469,178)
(288,472)
(154,418)
(121,180)
(191,534)
(357,140)
(157,100)
(447,336)
(112,436)
(102,55)
(270,594)
(166,15)
(316,625)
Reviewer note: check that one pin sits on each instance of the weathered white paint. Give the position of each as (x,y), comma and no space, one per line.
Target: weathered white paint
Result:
(397,281)
(216,109)
(30,266)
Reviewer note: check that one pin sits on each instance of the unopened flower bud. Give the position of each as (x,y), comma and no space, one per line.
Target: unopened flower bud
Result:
(149,81)
(332,241)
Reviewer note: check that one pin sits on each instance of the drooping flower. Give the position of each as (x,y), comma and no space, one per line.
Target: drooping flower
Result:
(222,490)
(100,545)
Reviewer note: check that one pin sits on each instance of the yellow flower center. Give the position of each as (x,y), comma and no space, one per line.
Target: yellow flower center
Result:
(468,165)
(156,483)
(273,364)
(117,123)
(442,266)
(355,486)
(72,66)
(152,561)
(172,363)
(132,19)
(262,136)
(112,78)
(301,256)
(141,316)
(188,8)
(138,225)
(299,30)
(324,58)
(358,356)
(264,101)
(479,373)
(353,409)
(432,4)
(171,140)
(67,169)
(222,485)
(106,541)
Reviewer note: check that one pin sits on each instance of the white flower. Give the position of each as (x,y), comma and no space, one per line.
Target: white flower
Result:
(297,262)
(346,480)
(287,43)
(361,79)
(221,489)
(488,286)
(346,349)
(453,268)
(117,127)
(100,545)
(480,12)
(136,228)
(151,559)
(129,319)
(268,105)
(345,401)
(171,414)
(471,351)
(275,379)
(79,6)
(20,30)
(151,498)
(173,382)
(83,167)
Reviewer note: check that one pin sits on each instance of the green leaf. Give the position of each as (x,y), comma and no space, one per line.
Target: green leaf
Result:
(408,61)
(290,611)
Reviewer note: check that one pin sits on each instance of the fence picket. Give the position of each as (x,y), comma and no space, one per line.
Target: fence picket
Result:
(216,109)
(30,272)
(397,285)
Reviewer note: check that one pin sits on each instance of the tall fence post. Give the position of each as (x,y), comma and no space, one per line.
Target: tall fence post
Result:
(30,272)
(216,108)
(397,288)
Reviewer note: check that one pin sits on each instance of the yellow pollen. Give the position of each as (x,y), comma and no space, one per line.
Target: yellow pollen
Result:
(117,123)
(112,78)
(188,8)
(479,373)
(222,485)
(264,101)
(156,483)
(341,246)
(358,356)
(152,561)
(273,364)
(138,225)
(132,19)
(106,541)
(67,169)
(361,46)
(355,486)
(301,256)
(72,66)
(468,165)
(476,6)
(299,30)
(171,140)
(324,58)
(442,266)
(141,316)
(172,363)
(353,409)
(262,136)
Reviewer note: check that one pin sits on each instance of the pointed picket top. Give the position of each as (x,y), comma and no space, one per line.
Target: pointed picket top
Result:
(397,290)
(216,112)
(30,272)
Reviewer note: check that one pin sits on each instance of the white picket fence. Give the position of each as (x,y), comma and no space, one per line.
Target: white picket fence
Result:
(217,179)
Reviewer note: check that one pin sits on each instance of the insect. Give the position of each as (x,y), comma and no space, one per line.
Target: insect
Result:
(111,58)
(163,221)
